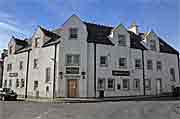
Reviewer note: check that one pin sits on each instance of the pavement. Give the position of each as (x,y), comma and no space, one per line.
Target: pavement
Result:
(101,110)
(95,100)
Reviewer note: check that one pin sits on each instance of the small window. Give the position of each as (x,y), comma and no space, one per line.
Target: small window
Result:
(122,62)
(72,70)
(121,40)
(73,33)
(136,84)
(159,65)
(137,63)
(22,83)
(17,83)
(48,74)
(172,74)
(9,67)
(21,65)
(37,42)
(5,83)
(35,65)
(149,65)
(10,83)
(118,86)
(125,83)
(101,83)
(35,85)
(153,45)
(103,61)
(110,83)
(148,84)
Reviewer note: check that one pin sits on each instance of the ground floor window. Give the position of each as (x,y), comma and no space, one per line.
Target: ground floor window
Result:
(17,83)
(10,83)
(101,83)
(110,83)
(5,83)
(136,83)
(47,89)
(148,84)
(125,83)
(22,83)
(35,85)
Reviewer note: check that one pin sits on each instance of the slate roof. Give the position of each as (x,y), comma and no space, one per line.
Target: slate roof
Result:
(98,33)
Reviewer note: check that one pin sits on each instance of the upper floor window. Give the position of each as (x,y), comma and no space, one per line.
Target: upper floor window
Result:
(9,67)
(21,65)
(101,83)
(172,74)
(110,83)
(73,33)
(72,60)
(48,73)
(123,62)
(138,63)
(159,65)
(36,42)
(121,40)
(149,65)
(153,45)
(35,64)
(103,60)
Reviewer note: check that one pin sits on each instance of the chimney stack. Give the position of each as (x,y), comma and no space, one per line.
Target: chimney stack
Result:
(134,28)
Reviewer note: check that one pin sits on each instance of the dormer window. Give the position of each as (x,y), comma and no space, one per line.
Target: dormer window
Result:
(73,33)
(121,40)
(153,45)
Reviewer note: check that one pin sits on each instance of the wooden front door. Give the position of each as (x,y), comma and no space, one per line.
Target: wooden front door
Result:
(72,88)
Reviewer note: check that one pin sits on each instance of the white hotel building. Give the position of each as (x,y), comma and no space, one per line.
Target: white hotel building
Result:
(83,59)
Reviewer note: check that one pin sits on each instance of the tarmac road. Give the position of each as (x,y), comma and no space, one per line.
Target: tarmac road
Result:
(102,110)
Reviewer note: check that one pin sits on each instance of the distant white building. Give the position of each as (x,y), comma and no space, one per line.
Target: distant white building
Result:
(89,60)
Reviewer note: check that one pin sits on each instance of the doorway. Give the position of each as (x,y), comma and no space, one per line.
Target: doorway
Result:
(72,88)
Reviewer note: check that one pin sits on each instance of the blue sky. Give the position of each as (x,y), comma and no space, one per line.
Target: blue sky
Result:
(21,17)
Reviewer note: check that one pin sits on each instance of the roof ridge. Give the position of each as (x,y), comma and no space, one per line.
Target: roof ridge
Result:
(100,25)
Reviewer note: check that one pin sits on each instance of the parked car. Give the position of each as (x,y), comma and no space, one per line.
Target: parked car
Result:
(7,94)
(176,91)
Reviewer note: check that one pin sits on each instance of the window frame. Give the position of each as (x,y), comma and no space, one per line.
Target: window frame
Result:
(21,65)
(22,83)
(148,84)
(172,76)
(104,62)
(112,84)
(124,63)
(103,84)
(136,84)
(36,85)
(122,40)
(136,63)
(10,83)
(71,58)
(128,84)
(149,64)
(159,66)
(48,75)
(35,63)
(73,33)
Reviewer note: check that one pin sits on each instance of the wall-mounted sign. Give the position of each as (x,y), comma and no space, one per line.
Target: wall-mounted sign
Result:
(120,73)
(13,74)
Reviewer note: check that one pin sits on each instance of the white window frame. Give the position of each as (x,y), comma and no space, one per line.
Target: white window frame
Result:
(128,84)
(148,84)
(125,62)
(113,84)
(138,62)
(73,61)
(101,86)
(136,84)
(105,63)
(149,65)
